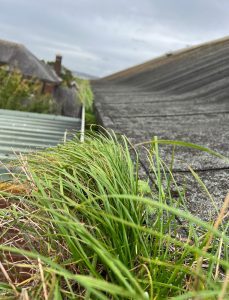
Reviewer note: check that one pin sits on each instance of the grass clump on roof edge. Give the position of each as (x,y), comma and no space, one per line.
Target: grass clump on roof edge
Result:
(81,224)
(86,97)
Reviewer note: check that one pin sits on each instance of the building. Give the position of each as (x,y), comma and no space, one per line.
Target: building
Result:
(17,56)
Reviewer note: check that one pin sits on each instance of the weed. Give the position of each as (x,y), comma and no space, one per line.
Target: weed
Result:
(90,229)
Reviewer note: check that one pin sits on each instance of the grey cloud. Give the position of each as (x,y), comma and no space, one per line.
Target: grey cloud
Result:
(104,36)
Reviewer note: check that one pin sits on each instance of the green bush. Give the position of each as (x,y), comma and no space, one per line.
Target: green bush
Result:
(85,93)
(19,93)
(86,97)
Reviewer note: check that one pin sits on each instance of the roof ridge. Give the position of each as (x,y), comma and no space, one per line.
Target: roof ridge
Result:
(12,43)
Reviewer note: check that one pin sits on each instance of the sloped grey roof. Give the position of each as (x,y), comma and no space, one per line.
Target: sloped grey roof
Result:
(183,96)
(18,56)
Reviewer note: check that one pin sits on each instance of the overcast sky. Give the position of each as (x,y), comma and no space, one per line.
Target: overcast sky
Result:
(100,37)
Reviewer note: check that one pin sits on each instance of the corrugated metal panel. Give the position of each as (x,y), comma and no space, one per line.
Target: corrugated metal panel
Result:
(23,132)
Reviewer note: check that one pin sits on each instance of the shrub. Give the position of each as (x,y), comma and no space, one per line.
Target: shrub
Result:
(86,97)
(85,93)
(19,93)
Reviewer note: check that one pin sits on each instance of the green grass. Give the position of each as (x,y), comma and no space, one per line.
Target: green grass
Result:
(85,93)
(86,97)
(87,227)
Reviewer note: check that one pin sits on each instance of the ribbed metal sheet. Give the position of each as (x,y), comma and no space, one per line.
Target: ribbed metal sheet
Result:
(23,132)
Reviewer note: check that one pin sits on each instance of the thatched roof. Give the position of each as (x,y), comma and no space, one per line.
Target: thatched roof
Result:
(18,56)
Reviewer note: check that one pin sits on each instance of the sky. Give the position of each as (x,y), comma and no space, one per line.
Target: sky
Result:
(101,37)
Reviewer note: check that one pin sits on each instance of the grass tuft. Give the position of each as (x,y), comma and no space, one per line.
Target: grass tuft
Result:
(87,227)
